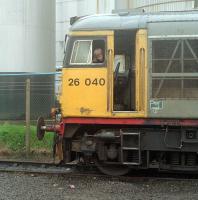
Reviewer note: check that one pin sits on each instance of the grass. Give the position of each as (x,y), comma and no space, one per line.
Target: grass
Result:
(12,138)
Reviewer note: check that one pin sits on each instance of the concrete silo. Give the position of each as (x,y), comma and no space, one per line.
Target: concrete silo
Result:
(27,40)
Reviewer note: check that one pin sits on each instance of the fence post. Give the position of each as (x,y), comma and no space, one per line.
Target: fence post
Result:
(27,118)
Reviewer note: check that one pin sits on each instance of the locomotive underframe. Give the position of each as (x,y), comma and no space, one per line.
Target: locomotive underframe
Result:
(161,147)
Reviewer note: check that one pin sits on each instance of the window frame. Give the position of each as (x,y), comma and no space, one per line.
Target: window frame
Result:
(90,49)
(69,48)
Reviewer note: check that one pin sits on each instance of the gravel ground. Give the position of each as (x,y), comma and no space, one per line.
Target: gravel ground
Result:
(40,187)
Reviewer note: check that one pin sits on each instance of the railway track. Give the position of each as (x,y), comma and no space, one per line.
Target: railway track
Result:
(73,169)
(43,168)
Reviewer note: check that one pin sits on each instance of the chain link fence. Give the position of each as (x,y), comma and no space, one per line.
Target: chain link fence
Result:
(13,95)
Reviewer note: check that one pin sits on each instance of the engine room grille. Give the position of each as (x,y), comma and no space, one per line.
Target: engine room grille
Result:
(175,68)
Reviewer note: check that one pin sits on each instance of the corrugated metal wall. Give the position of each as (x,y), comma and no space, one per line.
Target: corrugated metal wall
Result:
(156,5)
(164,5)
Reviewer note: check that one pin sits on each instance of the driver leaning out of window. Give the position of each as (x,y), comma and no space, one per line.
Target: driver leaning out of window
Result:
(98,56)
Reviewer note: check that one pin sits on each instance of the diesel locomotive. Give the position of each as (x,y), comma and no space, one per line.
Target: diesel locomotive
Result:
(137,107)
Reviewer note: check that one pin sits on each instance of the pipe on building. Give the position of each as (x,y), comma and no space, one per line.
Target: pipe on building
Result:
(196,4)
(97,6)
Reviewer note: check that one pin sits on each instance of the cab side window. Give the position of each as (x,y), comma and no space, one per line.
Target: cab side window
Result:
(88,52)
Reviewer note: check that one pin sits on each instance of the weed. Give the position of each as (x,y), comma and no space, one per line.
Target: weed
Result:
(12,137)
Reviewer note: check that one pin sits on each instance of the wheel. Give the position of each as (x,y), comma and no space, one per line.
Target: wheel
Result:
(112,170)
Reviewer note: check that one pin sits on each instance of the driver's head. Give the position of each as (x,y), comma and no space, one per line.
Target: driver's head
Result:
(98,56)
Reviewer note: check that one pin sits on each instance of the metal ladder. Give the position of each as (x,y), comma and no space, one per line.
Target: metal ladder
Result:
(130,148)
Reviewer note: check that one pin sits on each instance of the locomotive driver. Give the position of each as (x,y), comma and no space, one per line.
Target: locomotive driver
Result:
(98,56)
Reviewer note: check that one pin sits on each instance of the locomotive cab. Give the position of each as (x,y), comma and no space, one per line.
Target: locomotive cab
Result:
(113,87)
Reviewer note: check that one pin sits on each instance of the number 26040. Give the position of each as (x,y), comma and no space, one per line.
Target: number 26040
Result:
(87,82)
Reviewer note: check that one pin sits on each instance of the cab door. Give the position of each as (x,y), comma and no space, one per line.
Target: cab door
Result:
(86,83)
(130,85)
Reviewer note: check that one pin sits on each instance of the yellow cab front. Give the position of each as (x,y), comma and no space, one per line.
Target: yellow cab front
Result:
(88,86)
